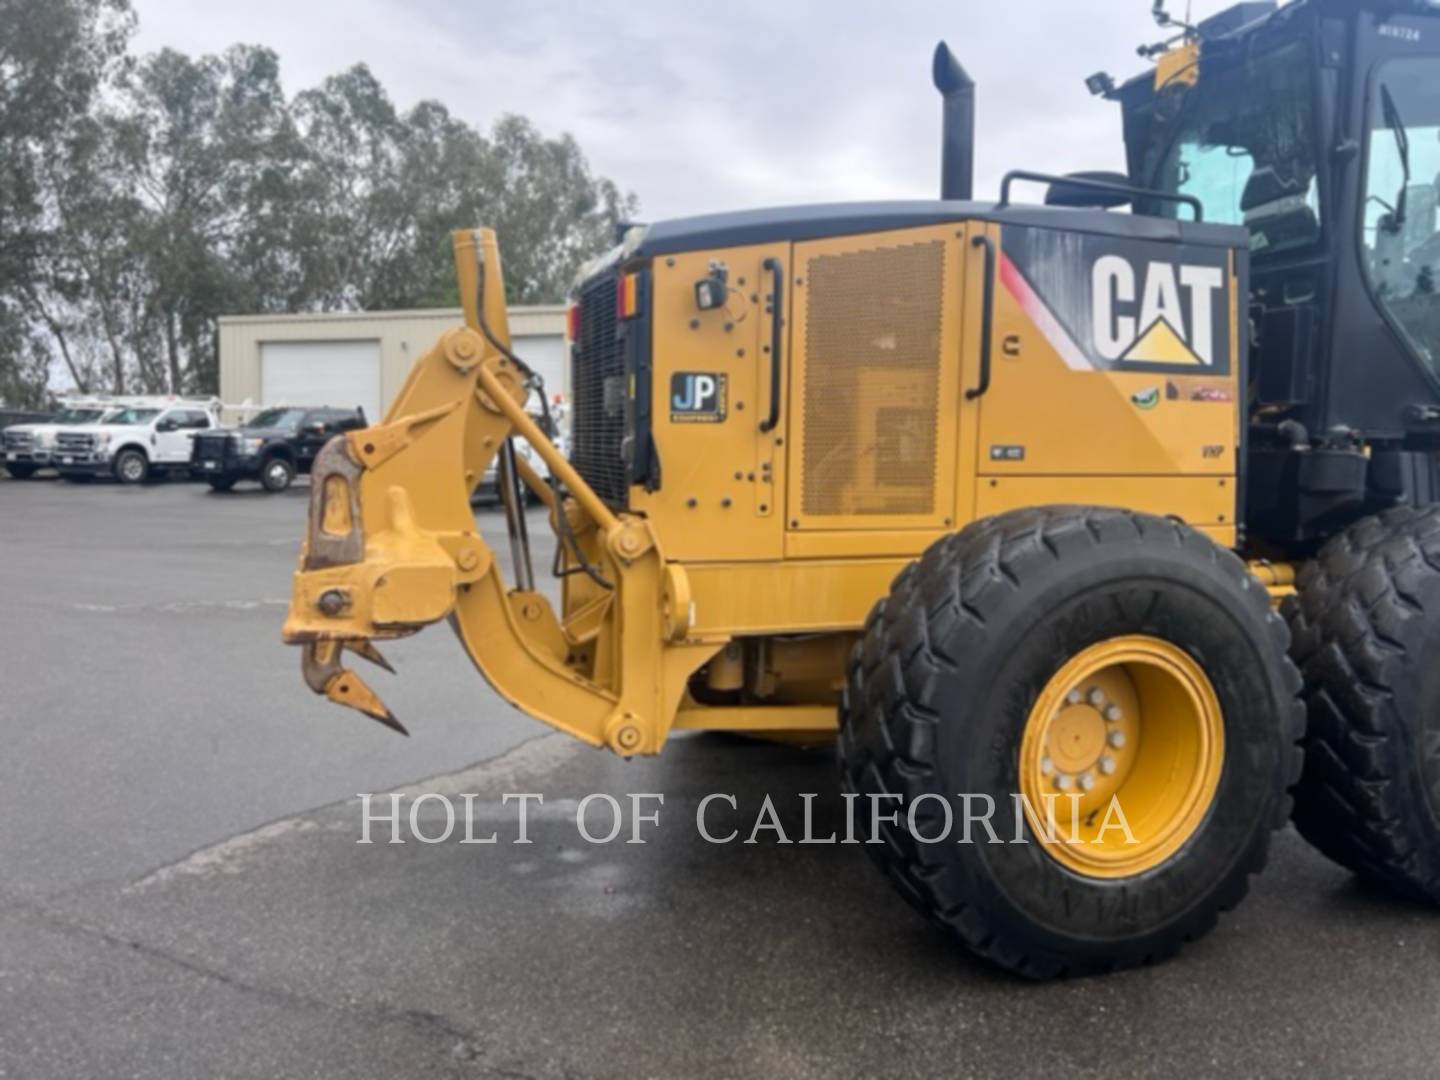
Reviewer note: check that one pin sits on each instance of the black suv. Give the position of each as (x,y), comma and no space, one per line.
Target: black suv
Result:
(271,448)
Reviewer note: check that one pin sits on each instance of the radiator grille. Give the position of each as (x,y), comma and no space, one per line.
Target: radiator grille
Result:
(872,381)
(597,380)
(210,447)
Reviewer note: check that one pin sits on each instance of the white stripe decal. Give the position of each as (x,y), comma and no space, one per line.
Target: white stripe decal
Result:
(1041,315)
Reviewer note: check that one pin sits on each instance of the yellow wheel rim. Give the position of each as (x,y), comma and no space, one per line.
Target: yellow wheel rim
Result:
(1121,757)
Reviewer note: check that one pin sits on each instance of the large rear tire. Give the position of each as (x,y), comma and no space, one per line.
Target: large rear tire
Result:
(1366,630)
(1015,658)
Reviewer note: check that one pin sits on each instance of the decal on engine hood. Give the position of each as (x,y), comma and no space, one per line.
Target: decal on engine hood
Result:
(1110,303)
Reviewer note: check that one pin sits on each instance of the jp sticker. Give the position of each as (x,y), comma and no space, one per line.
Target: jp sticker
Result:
(697,397)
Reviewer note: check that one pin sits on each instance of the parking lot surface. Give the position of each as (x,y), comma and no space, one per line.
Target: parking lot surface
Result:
(183,893)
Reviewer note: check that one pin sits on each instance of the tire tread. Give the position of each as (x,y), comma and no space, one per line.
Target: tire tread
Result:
(967,576)
(1347,621)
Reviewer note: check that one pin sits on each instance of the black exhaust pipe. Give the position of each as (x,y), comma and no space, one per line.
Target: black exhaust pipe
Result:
(957,146)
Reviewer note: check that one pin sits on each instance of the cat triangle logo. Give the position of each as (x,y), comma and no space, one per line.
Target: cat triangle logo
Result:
(1161,345)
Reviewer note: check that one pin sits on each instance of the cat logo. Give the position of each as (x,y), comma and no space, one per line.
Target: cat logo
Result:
(1166,319)
(1142,304)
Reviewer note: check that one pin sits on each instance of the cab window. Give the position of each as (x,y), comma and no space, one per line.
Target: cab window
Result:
(132,417)
(1243,143)
(1402,199)
(182,419)
(336,420)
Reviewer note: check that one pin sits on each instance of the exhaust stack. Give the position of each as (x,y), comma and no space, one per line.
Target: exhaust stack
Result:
(957,146)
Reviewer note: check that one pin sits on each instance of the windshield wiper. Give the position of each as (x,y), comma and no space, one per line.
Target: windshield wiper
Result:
(1402,145)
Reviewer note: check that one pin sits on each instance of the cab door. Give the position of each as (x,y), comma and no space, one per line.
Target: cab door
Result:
(171,436)
(313,433)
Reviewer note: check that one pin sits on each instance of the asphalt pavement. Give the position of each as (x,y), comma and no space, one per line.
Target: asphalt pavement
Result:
(183,893)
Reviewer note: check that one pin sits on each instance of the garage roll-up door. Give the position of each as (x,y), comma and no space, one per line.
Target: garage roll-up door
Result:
(341,374)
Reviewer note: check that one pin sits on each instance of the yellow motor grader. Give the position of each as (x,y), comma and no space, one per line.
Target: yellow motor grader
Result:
(1003,498)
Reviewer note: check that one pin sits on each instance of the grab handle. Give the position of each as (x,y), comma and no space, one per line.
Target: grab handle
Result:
(987,318)
(777,323)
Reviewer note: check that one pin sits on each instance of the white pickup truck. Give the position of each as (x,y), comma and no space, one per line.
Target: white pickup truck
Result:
(134,443)
(28,448)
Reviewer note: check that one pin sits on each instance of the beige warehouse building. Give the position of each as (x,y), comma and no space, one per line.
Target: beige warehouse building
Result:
(362,358)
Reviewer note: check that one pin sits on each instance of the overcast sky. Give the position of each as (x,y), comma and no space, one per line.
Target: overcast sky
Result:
(700,106)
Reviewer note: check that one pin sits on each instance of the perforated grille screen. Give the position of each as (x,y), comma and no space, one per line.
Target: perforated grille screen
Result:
(597,381)
(872,381)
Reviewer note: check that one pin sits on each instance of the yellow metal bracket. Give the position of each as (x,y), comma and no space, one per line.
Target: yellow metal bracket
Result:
(392,547)
(1178,67)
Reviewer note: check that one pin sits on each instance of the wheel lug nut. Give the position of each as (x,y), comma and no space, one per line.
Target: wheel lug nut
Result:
(1087,782)
(1097,697)
(1064,782)
(1117,739)
(1073,698)
(1113,713)
(1107,765)
(1046,766)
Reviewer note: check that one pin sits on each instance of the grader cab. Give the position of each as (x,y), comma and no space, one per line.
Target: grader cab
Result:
(1002,498)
